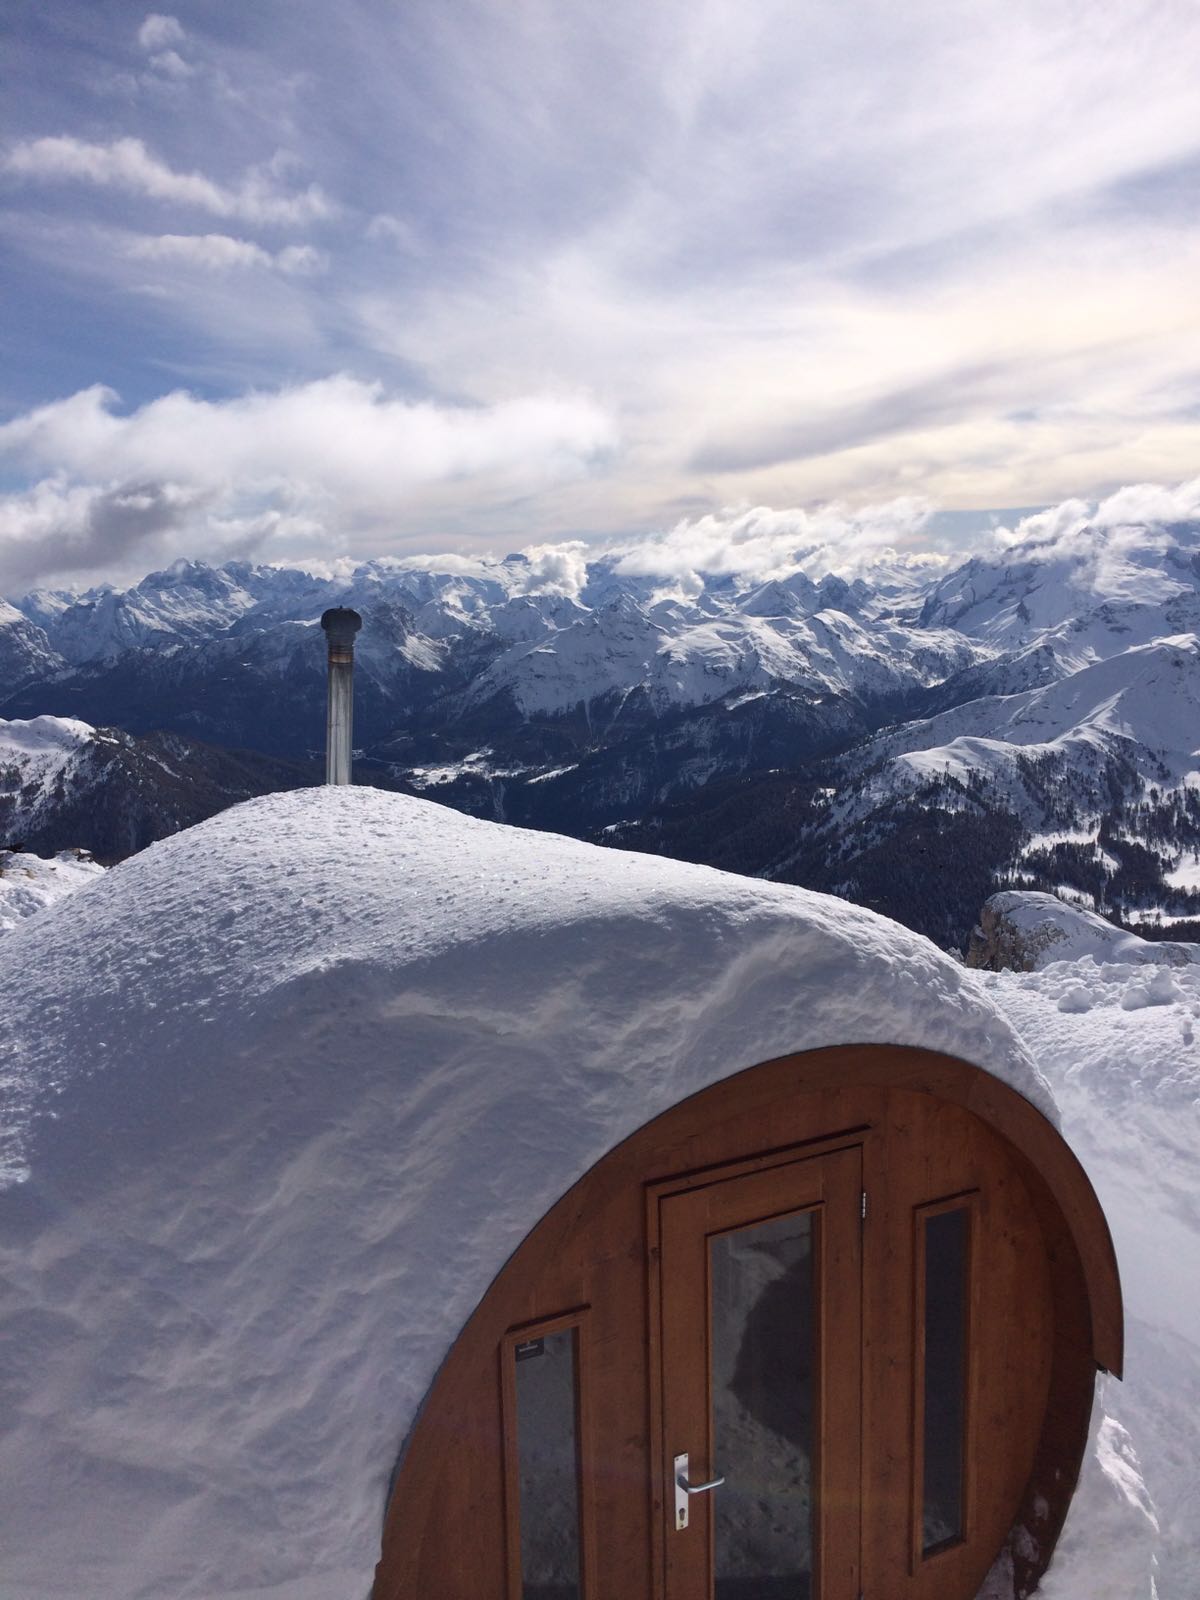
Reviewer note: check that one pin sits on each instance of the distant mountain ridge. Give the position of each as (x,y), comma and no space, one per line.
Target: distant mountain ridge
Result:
(65,785)
(901,732)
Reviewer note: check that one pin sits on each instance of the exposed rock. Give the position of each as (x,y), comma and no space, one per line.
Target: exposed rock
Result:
(1022,931)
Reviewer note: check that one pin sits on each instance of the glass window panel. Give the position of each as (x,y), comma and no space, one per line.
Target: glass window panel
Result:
(548,1467)
(945,1377)
(762,1395)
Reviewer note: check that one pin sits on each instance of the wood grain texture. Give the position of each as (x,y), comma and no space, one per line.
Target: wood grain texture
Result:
(928,1127)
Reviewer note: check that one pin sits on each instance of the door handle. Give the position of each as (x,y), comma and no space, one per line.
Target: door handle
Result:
(684,1489)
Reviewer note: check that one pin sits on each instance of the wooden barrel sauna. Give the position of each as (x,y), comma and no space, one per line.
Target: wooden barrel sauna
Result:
(826,1329)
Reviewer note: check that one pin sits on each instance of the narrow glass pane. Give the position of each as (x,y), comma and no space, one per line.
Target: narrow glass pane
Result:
(762,1396)
(548,1458)
(945,1377)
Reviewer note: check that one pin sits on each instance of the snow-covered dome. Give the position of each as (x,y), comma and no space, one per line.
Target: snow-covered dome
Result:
(288,1089)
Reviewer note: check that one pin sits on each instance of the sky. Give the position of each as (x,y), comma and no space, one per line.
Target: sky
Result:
(293,281)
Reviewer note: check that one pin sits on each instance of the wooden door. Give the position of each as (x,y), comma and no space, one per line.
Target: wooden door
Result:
(760,1294)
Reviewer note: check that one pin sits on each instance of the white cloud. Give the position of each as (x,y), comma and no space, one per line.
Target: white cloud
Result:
(336,455)
(56,528)
(557,568)
(126,164)
(1135,506)
(159,32)
(801,254)
(760,542)
(301,260)
(388,229)
(1114,547)
(1150,502)
(218,252)
(338,433)
(60,530)
(1069,363)
(172,65)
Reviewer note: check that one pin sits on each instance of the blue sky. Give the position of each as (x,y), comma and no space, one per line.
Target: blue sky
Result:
(293,280)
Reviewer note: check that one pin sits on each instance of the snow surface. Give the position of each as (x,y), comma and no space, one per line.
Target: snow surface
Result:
(1118,1040)
(1143,700)
(30,883)
(1187,874)
(43,739)
(287,1089)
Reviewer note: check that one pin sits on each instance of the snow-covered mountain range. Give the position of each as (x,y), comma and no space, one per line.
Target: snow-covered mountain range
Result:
(1029,715)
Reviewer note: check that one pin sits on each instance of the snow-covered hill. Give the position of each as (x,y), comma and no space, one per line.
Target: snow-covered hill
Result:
(1069,578)
(1089,784)
(65,784)
(1118,1035)
(30,883)
(1139,705)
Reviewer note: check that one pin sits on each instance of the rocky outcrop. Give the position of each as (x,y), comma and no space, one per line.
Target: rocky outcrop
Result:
(1022,931)
(999,944)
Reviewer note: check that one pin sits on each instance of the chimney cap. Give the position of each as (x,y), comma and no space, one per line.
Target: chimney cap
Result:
(341,624)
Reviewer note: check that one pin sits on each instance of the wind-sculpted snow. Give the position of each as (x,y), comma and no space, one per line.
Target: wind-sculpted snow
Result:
(29,883)
(284,1092)
(1118,1035)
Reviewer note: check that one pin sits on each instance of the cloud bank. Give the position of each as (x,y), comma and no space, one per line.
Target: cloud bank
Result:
(322,463)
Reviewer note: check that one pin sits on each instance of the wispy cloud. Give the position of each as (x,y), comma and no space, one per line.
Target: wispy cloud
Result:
(159,32)
(218,252)
(128,165)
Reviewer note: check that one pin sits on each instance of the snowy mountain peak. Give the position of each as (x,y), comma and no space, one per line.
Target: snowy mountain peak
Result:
(43,737)
(777,599)
(1087,574)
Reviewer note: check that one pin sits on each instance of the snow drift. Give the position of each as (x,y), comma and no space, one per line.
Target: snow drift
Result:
(285,1092)
(1115,1031)
(29,883)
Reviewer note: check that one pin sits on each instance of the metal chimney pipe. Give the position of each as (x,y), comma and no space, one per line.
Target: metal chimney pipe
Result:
(340,626)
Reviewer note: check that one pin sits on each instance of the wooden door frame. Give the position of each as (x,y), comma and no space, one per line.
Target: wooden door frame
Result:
(968,1201)
(680,1186)
(576,1321)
